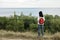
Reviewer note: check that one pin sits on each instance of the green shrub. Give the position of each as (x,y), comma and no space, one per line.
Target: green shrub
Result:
(33,27)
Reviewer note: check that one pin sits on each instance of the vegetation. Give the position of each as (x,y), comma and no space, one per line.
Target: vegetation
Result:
(10,35)
(16,23)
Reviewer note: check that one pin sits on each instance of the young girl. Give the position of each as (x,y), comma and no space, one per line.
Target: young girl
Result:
(41,20)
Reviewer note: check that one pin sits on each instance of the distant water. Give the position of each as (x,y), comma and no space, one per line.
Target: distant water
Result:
(27,11)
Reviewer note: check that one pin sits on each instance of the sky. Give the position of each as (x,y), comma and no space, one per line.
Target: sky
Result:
(29,3)
(51,7)
(27,11)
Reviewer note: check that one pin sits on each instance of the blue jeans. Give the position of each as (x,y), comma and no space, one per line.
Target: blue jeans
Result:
(40,30)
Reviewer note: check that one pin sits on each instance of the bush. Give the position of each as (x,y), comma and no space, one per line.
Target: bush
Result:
(33,27)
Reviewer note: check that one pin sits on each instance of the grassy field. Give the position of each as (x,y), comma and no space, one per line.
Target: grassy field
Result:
(10,35)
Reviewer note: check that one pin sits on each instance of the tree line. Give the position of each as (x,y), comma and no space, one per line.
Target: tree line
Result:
(17,23)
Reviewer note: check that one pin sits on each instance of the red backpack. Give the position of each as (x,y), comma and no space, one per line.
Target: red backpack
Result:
(41,21)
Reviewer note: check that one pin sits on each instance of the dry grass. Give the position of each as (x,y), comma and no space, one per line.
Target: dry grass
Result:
(56,36)
(10,35)
(17,35)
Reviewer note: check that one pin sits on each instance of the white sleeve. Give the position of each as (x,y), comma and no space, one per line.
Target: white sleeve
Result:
(44,18)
